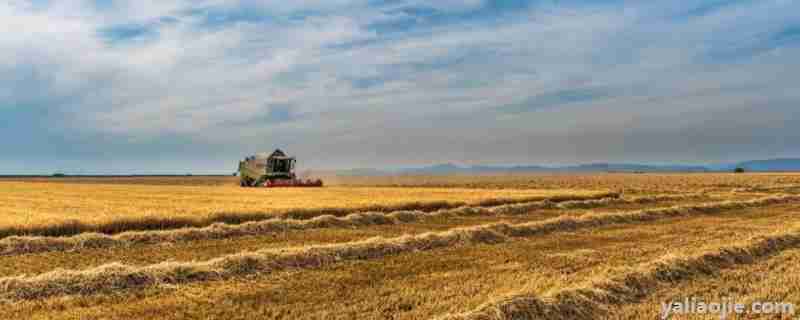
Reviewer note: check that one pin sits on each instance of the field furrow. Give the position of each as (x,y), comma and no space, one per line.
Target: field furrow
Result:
(269,260)
(596,298)
(48,224)
(411,285)
(141,255)
(560,246)
(772,281)
(49,256)
(15,245)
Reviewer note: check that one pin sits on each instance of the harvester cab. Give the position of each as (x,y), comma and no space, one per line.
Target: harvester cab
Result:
(271,170)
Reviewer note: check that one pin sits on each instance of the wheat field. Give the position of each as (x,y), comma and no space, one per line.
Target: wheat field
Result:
(536,246)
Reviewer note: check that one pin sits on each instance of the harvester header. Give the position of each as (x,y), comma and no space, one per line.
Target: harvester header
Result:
(272,170)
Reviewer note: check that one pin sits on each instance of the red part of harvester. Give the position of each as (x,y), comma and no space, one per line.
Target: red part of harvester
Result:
(292,183)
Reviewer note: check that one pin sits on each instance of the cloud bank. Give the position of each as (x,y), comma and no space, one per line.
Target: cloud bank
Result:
(109,86)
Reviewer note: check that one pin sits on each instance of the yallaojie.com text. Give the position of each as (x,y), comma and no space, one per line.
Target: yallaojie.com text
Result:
(724,308)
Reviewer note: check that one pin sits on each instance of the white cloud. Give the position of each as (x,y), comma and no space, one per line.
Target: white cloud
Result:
(443,85)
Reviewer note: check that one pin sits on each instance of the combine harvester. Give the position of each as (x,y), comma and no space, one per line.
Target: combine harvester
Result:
(270,171)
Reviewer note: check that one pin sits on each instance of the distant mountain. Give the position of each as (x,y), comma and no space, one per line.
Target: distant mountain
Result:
(722,167)
(362,172)
(526,168)
(437,169)
(771,165)
(628,167)
(450,168)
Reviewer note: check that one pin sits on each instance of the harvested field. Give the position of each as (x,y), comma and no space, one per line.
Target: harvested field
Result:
(628,182)
(572,249)
(30,244)
(62,208)
(775,279)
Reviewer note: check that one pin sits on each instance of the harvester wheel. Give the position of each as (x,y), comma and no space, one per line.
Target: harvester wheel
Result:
(247,182)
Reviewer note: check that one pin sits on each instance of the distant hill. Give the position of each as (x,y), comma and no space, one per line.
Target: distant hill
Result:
(450,168)
(771,165)
(437,169)
(362,172)
(628,167)
(594,167)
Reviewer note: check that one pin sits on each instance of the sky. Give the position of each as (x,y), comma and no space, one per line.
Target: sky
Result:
(174,86)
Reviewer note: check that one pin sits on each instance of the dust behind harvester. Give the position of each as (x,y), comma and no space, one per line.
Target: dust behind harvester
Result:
(273,170)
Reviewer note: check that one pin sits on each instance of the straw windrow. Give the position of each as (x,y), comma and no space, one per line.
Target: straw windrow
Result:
(165,222)
(593,300)
(31,244)
(118,276)
(773,188)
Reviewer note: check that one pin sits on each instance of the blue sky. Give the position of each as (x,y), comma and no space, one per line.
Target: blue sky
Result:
(109,86)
